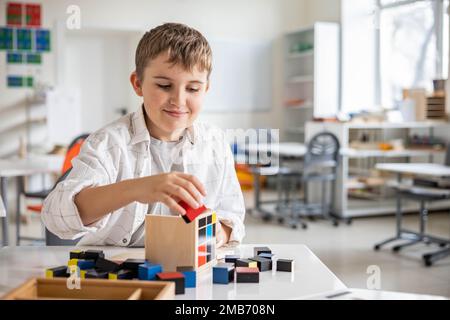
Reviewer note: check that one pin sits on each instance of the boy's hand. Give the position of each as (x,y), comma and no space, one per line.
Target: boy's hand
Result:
(170,188)
(222,235)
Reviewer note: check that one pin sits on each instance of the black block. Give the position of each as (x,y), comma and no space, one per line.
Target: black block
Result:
(285,265)
(243,262)
(122,275)
(132,264)
(231,258)
(93,254)
(76,254)
(264,264)
(248,276)
(95,274)
(107,265)
(258,250)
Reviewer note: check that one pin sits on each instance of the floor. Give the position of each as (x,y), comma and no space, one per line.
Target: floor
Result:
(347,250)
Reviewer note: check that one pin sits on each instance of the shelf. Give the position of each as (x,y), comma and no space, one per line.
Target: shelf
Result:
(402,125)
(299,55)
(355,153)
(23,125)
(300,107)
(301,79)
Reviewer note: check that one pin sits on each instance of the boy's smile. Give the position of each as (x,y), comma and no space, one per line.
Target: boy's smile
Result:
(172,96)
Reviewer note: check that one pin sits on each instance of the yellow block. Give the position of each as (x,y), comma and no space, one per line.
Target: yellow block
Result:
(83,274)
(73,262)
(253,264)
(214,218)
(112,276)
(48,273)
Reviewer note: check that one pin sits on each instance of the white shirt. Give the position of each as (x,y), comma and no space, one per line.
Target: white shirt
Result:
(121,151)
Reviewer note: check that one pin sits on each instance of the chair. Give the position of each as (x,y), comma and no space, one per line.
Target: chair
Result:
(50,239)
(320,166)
(423,194)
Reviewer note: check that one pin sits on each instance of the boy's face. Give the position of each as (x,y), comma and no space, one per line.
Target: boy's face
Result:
(172,96)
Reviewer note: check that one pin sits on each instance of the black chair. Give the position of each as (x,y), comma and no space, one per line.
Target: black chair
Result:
(320,166)
(423,194)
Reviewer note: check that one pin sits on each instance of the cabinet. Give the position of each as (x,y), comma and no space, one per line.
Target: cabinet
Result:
(311,77)
(361,190)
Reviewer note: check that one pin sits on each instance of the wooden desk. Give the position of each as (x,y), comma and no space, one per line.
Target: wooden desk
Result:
(310,277)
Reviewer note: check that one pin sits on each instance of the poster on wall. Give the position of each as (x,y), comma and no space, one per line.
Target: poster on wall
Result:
(25,42)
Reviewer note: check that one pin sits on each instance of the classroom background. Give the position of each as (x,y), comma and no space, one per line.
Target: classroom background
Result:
(347,98)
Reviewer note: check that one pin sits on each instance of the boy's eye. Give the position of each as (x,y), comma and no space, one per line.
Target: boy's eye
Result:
(164,86)
(193,89)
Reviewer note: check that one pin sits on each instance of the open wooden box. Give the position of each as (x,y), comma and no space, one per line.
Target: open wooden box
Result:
(56,288)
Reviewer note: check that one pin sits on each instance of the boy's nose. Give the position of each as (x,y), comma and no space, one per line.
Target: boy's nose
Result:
(177,99)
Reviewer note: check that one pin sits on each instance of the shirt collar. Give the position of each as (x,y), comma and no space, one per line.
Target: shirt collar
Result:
(140,132)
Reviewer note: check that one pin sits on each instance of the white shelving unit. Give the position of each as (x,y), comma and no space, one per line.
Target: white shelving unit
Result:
(311,81)
(355,198)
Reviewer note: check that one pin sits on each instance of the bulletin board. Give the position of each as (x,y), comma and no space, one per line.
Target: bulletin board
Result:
(241,79)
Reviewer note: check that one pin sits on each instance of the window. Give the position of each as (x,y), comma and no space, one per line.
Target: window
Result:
(389,45)
(413,46)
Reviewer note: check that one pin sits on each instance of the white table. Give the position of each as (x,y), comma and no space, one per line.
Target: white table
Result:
(283,149)
(17,168)
(310,277)
(416,169)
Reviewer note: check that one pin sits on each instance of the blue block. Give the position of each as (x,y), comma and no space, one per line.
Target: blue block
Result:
(190,279)
(148,271)
(86,264)
(223,273)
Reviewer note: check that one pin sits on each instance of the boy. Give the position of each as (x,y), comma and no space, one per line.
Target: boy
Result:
(149,160)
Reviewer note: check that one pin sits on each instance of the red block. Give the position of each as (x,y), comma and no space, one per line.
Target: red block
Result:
(191,213)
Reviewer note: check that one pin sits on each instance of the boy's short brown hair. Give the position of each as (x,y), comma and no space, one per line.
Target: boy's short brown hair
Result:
(185,45)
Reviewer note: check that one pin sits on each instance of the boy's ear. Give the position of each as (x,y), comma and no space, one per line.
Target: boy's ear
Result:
(136,83)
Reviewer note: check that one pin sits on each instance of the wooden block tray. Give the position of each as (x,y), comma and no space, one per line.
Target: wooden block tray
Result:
(99,289)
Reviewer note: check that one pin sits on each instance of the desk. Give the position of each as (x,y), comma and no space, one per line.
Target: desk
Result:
(17,168)
(420,169)
(310,277)
(283,150)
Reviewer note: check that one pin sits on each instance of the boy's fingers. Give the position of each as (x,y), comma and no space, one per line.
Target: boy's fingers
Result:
(173,205)
(195,181)
(187,185)
(180,192)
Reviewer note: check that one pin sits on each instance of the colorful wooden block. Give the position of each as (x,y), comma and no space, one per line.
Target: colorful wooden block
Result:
(93,274)
(57,272)
(176,277)
(122,275)
(76,254)
(266,255)
(93,254)
(82,263)
(148,271)
(259,250)
(285,265)
(223,273)
(191,213)
(231,258)
(107,265)
(264,264)
(247,275)
(246,263)
(190,276)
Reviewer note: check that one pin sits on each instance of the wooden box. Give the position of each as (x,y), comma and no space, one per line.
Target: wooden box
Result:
(172,242)
(56,288)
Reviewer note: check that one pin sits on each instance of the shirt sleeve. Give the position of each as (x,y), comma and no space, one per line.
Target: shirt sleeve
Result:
(92,167)
(230,206)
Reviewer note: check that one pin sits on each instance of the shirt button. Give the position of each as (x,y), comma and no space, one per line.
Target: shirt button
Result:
(124,240)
